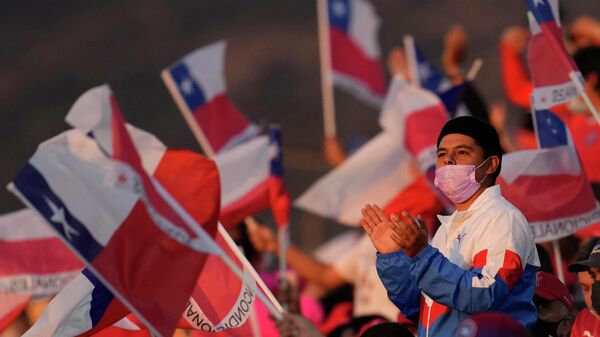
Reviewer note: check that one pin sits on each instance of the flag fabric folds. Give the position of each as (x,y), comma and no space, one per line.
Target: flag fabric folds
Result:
(11,306)
(220,300)
(549,185)
(108,211)
(33,260)
(197,83)
(552,69)
(355,52)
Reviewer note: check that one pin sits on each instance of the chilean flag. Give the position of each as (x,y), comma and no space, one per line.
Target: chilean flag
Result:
(33,260)
(109,213)
(181,173)
(278,196)
(197,83)
(355,52)
(552,69)
(415,117)
(430,77)
(384,169)
(549,185)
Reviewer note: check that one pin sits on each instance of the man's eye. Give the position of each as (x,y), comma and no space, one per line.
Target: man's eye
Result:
(440,155)
(463,153)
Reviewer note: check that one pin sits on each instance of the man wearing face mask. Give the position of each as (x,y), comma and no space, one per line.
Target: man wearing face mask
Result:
(554,304)
(482,258)
(587,322)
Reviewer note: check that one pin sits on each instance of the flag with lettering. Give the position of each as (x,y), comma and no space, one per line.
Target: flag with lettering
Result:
(355,52)
(220,300)
(197,84)
(110,214)
(549,185)
(552,69)
(33,260)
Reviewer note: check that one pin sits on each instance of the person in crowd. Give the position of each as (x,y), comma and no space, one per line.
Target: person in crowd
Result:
(587,322)
(482,258)
(554,307)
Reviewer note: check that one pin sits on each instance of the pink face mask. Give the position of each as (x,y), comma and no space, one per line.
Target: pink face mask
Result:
(457,182)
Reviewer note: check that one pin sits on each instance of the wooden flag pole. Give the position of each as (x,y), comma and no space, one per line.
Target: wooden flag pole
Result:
(580,88)
(187,114)
(212,245)
(474,70)
(326,75)
(208,150)
(235,249)
(558,260)
(411,58)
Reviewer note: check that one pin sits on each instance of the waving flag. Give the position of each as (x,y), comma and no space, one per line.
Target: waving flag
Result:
(355,53)
(181,173)
(112,217)
(33,260)
(244,173)
(552,69)
(384,168)
(549,185)
(415,117)
(430,77)
(278,195)
(197,83)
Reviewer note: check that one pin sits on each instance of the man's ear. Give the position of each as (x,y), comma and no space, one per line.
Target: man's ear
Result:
(494,162)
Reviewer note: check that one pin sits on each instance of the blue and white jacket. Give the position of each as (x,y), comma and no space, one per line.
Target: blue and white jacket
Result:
(481,259)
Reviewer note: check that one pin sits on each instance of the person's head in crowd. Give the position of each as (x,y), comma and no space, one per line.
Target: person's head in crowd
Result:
(554,307)
(468,159)
(584,32)
(490,324)
(386,329)
(588,62)
(353,328)
(587,268)
(545,261)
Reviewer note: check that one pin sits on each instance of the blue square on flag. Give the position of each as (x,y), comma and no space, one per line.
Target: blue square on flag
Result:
(551,129)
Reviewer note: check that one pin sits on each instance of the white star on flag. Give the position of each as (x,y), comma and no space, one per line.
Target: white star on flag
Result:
(538,2)
(424,70)
(339,9)
(187,86)
(58,216)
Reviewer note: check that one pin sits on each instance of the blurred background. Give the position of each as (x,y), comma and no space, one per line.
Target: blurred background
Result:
(54,51)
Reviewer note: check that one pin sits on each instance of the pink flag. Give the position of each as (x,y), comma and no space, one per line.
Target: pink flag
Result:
(197,83)
(355,52)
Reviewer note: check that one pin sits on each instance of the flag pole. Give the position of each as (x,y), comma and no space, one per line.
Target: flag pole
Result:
(474,70)
(208,150)
(234,248)
(200,232)
(187,114)
(558,260)
(411,58)
(326,74)
(580,88)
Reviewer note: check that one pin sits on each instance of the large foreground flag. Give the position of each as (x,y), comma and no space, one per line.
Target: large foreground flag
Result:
(33,260)
(108,211)
(552,69)
(197,83)
(549,185)
(355,53)
(220,299)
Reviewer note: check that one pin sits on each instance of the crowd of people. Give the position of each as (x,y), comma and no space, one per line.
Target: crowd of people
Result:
(474,272)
